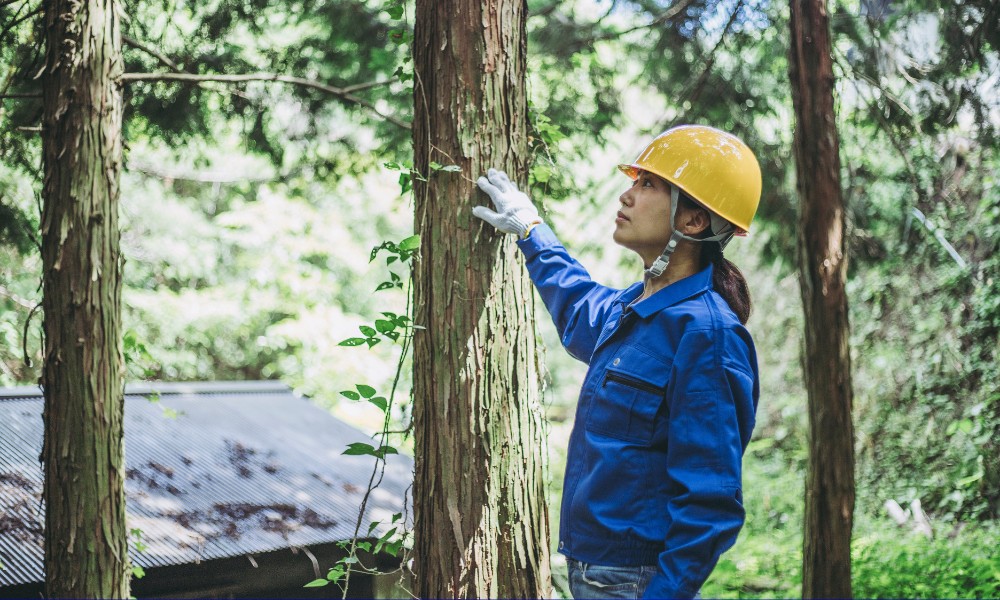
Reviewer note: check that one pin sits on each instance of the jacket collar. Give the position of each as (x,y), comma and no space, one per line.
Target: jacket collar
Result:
(676,292)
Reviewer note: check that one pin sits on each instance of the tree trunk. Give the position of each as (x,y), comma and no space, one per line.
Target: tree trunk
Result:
(829,514)
(481,519)
(85,530)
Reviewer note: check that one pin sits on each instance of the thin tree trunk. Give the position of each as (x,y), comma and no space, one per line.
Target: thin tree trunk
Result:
(829,514)
(481,518)
(85,530)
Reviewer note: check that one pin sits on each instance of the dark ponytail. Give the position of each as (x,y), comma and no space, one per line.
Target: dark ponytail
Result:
(728,280)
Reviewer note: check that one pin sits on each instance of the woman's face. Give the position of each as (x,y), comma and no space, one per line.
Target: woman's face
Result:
(643,223)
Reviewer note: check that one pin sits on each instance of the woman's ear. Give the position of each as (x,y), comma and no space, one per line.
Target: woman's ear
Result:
(692,221)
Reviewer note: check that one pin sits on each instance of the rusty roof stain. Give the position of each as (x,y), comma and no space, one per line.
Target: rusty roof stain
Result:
(244,468)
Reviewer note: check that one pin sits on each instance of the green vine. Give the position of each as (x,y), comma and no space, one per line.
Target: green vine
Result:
(398,328)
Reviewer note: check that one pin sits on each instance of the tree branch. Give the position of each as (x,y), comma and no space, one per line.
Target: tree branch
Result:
(8,27)
(703,77)
(667,15)
(342,93)
(152,52)
(205,176)
(357,87)
(24,302)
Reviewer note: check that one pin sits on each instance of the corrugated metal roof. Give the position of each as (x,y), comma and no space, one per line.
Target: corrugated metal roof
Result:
(245,467)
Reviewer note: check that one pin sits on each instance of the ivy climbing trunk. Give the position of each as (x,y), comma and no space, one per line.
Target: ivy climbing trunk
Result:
(829,511)
(85,529)
(480,515)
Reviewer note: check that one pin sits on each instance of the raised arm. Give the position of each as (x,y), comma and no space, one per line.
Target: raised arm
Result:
(579,307)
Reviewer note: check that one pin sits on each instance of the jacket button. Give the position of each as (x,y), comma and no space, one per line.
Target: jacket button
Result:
(617,361)
(562,545)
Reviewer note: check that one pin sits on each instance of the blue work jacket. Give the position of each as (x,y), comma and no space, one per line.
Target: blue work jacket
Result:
(653,474)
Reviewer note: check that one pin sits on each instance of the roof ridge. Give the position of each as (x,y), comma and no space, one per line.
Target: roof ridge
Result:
(142,388)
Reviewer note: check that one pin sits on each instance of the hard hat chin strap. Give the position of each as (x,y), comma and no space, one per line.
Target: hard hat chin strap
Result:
(722,232)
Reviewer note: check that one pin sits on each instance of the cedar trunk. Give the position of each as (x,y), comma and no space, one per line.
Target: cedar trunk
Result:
(829,511)
(85,531)
(480,515)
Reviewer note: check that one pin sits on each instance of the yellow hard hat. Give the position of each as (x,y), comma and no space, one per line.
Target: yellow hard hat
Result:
(713,167)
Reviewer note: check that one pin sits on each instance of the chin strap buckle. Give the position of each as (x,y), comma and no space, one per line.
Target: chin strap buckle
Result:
(660,264)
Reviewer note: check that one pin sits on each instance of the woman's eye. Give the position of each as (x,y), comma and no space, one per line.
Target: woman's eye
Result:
(647,183)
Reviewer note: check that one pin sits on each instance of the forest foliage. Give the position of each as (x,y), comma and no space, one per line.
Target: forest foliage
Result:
(250,212)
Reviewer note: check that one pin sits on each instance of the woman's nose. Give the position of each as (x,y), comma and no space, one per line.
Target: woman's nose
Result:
(625,199)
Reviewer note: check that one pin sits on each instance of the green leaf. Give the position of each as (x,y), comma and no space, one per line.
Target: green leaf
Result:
(395,12)
(317,583)
(353,342)
(382,451)
(451,169)
(388,246)
(336,573)
(360,449)
(349,560)
(366,546)
(410,243)
(380,402)
(397,517)
(372,526)
(385,285)
(393,548)
(403,74)
(368,331)
(384,325)
(351,395)
(541,173)
(367,391)
(138,572)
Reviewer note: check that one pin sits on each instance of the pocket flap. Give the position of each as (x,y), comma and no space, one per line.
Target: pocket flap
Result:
(639,365)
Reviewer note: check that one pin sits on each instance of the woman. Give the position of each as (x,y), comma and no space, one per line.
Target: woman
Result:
(652,494)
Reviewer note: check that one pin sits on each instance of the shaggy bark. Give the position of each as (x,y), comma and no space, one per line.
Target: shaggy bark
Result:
(85,530)
(481,519)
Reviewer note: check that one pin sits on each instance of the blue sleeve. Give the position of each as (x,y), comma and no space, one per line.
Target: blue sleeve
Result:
(712,401)
(579,307)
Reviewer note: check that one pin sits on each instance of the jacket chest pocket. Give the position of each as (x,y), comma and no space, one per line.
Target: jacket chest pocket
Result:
(632,390)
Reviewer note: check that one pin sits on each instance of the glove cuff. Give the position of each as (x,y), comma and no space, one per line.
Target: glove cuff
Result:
(523,227)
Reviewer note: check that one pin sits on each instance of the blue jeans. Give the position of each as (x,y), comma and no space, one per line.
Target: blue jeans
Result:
(595,581)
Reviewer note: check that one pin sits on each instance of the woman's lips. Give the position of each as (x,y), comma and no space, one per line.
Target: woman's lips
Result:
(621,217)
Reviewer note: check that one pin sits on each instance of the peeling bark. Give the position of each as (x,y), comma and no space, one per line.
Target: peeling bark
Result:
(85,530)
(829,514)
(481,519)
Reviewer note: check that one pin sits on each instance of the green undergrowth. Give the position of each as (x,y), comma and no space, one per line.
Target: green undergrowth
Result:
(888,560)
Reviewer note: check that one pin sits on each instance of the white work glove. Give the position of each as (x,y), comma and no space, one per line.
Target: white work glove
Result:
(514,211)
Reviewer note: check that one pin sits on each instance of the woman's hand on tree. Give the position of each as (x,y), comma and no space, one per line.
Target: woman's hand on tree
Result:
(514,211)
